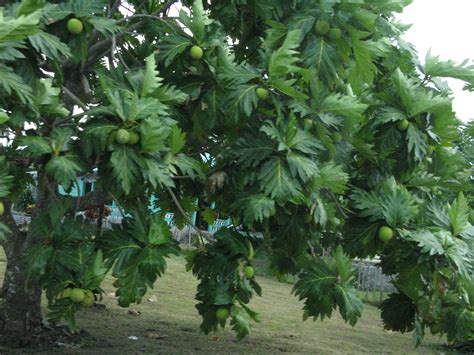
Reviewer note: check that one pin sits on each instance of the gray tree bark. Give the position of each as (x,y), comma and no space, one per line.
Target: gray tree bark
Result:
(20,306)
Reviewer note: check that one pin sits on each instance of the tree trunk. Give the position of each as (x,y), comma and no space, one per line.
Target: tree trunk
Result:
(20,314)
(20,307)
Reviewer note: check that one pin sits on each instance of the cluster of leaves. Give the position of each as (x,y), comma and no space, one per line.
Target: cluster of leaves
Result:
(392,205)
(349,139)
(222,282)
(327,283)
(134,104)
(69,255)
(436,293)
(64,256)
(136,252)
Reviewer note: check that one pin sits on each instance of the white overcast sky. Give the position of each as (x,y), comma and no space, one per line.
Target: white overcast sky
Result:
(445,27)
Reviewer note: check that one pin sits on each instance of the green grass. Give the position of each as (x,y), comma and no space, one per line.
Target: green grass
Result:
(173,317)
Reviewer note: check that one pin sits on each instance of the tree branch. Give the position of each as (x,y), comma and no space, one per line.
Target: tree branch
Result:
(166,6)
(114,7)
(329,194)
(122,212)
(75,98)
(99,47)
(185,215)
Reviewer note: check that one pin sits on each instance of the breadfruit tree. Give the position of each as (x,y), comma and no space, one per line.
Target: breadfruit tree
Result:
(312,124)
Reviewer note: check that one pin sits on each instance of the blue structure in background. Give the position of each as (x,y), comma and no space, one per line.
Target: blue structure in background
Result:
(86,184)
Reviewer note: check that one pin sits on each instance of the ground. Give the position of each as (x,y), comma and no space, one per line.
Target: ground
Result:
(166,321)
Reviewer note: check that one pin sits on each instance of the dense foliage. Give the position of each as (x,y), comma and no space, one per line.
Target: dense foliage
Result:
(311,123)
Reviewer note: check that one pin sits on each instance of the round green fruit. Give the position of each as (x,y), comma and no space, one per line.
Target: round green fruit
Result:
(88,300)
(75,26)
(385,233)
(196,52)
(308,123)
(262,93)
(335,34)
(249,272)
(336,137)
(134,138)
(2,208)
(222,314)
(122,136)
(77,295)
(430,149)
(322,27)
(403,125)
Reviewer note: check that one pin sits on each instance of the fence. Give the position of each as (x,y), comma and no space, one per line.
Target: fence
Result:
(24,219)
(372,281)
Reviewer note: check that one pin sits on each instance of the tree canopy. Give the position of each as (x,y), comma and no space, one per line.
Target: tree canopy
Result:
(312,124)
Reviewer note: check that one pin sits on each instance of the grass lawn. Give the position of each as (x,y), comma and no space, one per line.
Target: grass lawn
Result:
(170,324)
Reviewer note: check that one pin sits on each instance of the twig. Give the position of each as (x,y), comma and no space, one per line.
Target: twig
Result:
(119,55)
(53,192)
(95,34)
(78,201)
(166,6)
(113,49)
(114,7)
(145,16)
(311,248)
(85,85)
(118,205)
(426,79)
(99,46)
(334,199)
(185,215)
(75,99)
(100,220)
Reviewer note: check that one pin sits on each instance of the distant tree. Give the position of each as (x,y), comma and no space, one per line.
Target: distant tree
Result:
(310,122)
